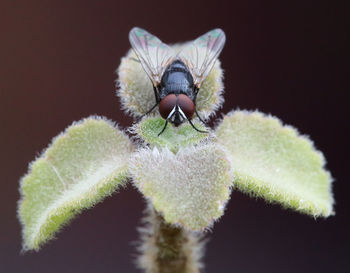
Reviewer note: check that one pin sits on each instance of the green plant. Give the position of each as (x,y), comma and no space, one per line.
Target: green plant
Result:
(185,176)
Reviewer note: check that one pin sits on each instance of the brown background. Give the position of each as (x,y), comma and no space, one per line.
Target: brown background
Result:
(57,63)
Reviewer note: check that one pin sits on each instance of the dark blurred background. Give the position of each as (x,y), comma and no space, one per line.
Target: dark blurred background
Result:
(57,65)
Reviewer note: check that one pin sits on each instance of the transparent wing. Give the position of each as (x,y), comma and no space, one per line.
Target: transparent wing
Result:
(201,54)
(153,54)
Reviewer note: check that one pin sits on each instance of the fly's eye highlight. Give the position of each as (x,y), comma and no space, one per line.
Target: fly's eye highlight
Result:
(166,105)
(186,105)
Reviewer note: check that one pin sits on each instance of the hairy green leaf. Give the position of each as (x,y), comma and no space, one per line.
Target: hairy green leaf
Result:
(172,137)
(274,162)
(82,166)
(189,188)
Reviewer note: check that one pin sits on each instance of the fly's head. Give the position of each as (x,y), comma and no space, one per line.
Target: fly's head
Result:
(176,108)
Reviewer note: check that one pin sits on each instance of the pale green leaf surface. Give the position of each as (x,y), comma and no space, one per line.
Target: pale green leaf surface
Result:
(190,188)
(173,137)
(275,162)
(81,167)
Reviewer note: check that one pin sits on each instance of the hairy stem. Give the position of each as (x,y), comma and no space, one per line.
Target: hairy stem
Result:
(168,249)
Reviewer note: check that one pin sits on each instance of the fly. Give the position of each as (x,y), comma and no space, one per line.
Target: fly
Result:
(177,78)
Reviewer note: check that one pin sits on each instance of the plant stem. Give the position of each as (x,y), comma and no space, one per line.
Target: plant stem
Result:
(168,249)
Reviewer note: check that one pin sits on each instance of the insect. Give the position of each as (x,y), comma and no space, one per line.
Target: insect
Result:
(177,77)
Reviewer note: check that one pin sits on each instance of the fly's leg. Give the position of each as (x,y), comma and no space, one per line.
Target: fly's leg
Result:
(195,110)
(156,94)
(165,125)
(154,106)
(195,90)
(194,127)
(149,111)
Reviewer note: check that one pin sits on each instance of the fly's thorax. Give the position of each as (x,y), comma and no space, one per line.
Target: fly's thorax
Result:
(176,79)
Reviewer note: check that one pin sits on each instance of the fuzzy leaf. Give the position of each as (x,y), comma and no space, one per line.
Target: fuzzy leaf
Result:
(81,167)
(189,188)
(274,162)
(173,138)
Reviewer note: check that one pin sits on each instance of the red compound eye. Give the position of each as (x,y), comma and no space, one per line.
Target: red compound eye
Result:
(166,105)
(186,105)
